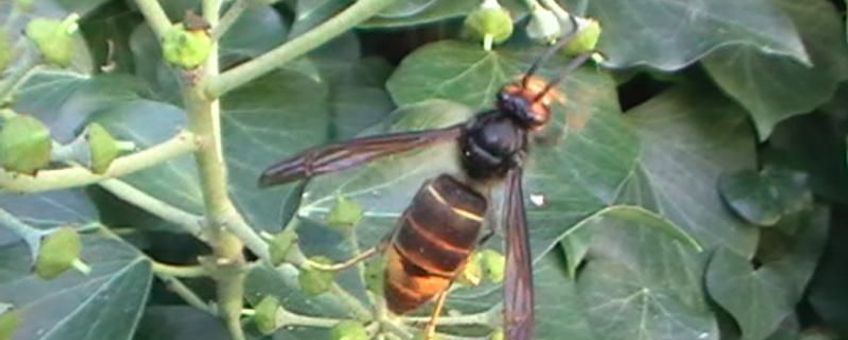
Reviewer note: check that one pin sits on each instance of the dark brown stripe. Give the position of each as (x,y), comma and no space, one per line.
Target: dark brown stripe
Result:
(442,221)
(423,249)
(401,299)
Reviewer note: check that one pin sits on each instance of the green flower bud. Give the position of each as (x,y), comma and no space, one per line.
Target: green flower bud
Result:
(313,281)
(586,39)
(265,315)
(494,265)
(59,251)
(544,25)
(54,38)
(345,214)
(103,147)
(490,22)
(472,273)
(25,144)
(9,322)
(186,48)
(281,244)
(6,51)
(375,273)
(498,334)
(349,330)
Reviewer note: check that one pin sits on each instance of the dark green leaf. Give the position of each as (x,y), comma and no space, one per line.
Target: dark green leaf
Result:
(258,30)
(751,196)
(767,297)
(311,13)
(178,323)
(690,136)
(436,10)
(282,283)
(51,209)
(106,304)
(64,100)
(669,35)
(768,85)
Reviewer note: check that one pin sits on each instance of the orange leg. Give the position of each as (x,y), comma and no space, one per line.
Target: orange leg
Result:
(430,331)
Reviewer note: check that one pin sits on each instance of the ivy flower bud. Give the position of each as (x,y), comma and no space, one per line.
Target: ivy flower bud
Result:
(59,251)
(25,144)
(472,273)
(54,38)
(349,330)
(493,264)
(9,322)
(544,25)
(280,245)
(490,22)
(186,48)
(103,147)
(265,315)
(313,281)
(345,214)
(586,39)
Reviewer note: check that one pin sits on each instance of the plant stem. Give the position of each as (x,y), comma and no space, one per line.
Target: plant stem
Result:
(75,176)
(357,13)
(189,222)
(489,318)
(293,319)
(179,288)
(229,18)
(29,234)
(155,16)
(179,271)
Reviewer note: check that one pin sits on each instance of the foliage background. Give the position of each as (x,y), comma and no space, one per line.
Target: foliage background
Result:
(696,98)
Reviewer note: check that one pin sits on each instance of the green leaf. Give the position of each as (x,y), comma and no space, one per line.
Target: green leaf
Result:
(258,30)
(767,85)
(766,303)
(260,129)
(51,209)
(690,135)
(670,35)
(179,322)
(813,144)
(106,304)
(627,290)
(311,13)
(751,196)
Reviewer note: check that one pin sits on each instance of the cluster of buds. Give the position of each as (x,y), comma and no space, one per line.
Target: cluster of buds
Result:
(493,24)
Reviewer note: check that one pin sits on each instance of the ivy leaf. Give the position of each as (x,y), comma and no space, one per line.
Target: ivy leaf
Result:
(420,12)
(107,303)
(65,100)
(766,301)
(51,209)
(767,84)
(763,198)
(179,322)
(258,30)
(670,35)
(690,136)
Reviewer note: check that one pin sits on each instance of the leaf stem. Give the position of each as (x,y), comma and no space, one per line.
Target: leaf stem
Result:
(30,235)
(229,18)
(19,76)
(76,176)
(191,223)
(179,271)
(357,13)
(155,16)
